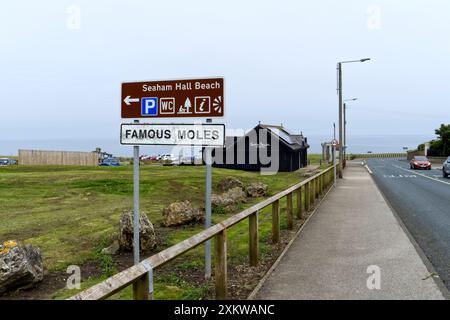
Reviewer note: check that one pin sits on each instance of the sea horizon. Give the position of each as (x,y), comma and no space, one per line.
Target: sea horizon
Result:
(355,144)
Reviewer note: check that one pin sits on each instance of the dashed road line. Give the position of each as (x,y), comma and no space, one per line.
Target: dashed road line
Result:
(423,175)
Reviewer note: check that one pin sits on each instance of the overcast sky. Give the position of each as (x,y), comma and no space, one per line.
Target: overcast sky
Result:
(60,75)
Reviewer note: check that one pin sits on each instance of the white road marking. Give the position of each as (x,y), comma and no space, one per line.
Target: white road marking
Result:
(423,175)
(368,169)
(399,176)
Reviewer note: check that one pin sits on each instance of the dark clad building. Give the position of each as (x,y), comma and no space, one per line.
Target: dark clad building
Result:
(252,152)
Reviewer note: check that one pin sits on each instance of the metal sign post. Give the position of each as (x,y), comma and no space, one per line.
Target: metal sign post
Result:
(208,186)
(335,144)
(334,164)
(136,204)
(188,98)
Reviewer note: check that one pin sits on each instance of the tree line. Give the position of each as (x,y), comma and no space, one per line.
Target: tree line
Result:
(439,147)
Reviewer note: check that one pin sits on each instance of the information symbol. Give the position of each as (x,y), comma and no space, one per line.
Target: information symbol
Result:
(202,104)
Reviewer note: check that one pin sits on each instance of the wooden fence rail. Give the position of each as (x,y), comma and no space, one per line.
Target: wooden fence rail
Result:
(138,275)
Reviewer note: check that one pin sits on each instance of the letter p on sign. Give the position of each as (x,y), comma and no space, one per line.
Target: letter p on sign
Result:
(149,106)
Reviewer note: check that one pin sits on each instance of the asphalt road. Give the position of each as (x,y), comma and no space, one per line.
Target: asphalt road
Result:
(421,198)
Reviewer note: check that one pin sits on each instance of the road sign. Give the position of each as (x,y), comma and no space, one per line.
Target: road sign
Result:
(172,134)
(335,143)
(173,98)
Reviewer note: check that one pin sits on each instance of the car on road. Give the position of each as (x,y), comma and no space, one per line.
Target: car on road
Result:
(109,162)
(446,168)
(420,162)
(7,161)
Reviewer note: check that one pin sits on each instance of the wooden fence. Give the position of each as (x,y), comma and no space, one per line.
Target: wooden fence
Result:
(138,275)
(377,155)
(44,157)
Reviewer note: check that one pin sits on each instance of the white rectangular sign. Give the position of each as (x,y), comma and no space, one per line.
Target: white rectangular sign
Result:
(172,134)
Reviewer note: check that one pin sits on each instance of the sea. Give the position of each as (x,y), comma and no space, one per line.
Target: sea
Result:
(355,144)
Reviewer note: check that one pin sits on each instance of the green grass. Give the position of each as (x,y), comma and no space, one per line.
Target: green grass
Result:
(70,212)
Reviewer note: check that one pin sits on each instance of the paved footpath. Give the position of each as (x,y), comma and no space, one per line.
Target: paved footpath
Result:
(353,229)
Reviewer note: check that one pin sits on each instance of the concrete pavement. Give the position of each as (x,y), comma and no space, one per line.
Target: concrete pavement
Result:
(354,229)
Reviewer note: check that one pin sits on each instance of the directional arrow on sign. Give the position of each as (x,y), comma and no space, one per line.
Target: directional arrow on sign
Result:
(128,99)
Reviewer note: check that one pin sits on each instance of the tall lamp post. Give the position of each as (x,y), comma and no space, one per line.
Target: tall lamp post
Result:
(345,130)
(339,71)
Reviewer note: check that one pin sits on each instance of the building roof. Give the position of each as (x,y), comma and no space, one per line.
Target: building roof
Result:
(293,141)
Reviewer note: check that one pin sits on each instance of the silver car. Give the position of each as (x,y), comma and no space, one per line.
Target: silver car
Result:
(7,161)
(446,168)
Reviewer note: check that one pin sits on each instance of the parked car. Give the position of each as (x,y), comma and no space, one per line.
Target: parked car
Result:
(191,160)
(154,158)
(167,157)
(109,162)
(420,162)
(446,168)
(7,161)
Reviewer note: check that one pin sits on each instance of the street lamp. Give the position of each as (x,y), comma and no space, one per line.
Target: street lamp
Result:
(339,70)
(345,131)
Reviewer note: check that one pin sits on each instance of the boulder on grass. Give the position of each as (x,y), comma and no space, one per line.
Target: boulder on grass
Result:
(228,200)
(228,183)
(113,249)
(256,189)
(147,237)
(21,266)
(180,213)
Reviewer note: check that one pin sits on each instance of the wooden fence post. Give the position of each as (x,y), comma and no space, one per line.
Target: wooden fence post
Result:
(253,238)
(307,197)
(299,203)
(290,218)
(317,184)
(322,184)
(312,192)
(276,221)
(140,289)
(220,257)
(316,189)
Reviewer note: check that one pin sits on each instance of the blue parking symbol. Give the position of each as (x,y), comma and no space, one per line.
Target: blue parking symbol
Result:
(149,106)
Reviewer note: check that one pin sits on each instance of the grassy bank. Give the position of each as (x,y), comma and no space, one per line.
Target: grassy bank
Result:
(69,212)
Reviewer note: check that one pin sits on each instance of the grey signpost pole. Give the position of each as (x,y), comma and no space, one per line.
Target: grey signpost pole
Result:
(136,203)
(340,119)
(334,164)
(333,150)
(208,187)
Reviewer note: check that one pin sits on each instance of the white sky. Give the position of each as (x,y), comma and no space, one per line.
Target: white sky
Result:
(278,59)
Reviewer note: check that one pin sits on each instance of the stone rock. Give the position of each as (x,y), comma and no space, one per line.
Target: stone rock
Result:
(228,183)
(114,248)
(147,237)
(21,266)
(228,200)
(179,213)
(256,189)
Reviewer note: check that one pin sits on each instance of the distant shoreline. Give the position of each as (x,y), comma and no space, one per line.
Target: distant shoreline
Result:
(356,144)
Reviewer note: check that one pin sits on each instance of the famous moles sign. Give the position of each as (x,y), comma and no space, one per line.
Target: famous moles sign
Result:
(172,134)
